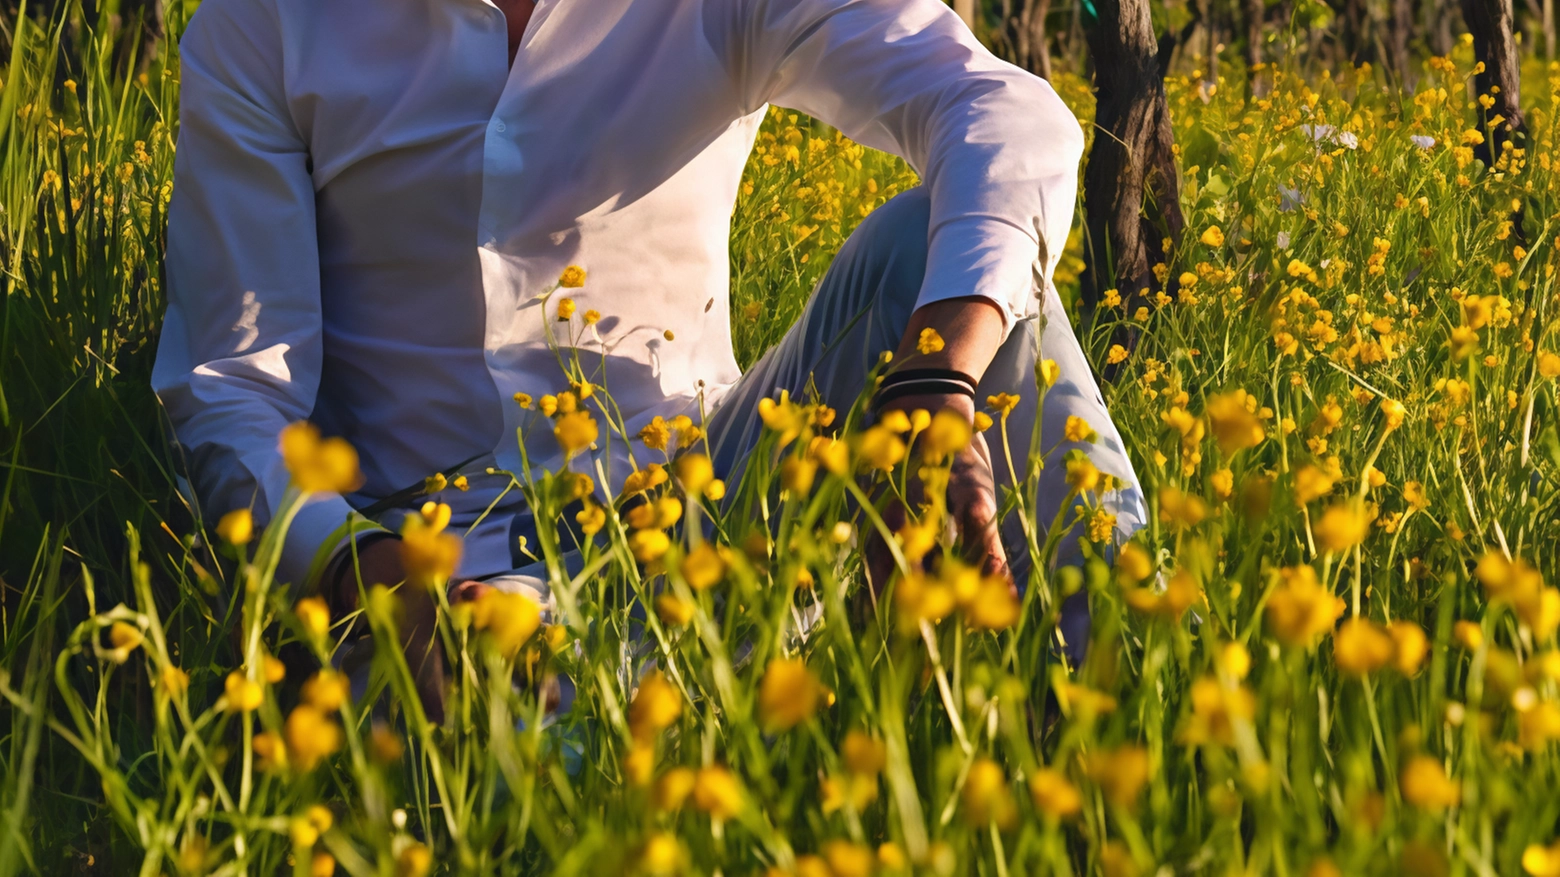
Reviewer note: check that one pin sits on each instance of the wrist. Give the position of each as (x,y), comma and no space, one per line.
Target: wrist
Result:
(932,403)
(360,551)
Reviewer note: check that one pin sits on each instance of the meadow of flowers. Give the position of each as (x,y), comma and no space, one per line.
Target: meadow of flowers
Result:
(1333,650)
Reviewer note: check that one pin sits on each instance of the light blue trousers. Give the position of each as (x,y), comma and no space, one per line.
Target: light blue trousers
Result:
(861,308)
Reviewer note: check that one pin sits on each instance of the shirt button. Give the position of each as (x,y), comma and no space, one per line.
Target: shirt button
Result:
(499,127)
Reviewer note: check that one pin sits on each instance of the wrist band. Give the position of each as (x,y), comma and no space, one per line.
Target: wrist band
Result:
(917,374)
(923,381)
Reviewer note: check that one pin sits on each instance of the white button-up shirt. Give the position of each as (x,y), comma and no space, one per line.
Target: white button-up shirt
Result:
(368,202)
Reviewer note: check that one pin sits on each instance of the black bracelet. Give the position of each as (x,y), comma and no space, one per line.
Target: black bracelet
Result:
(922,381)
(917,374)
(925,386)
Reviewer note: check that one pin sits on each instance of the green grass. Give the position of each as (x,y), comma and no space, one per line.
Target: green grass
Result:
(1305,764)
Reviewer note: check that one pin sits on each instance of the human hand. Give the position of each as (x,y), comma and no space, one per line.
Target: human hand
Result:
(971,500)
(379,562)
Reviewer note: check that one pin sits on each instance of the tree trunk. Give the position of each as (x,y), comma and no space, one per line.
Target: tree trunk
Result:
(1034,50)
(1211,22)
(1490,23)
(966,11)
(1438,27)
(1549,30)
(1402,26)
(1253,11)
(1131,158)
(1039,40)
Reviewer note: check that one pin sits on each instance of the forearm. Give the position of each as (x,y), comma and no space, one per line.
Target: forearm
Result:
(971,330)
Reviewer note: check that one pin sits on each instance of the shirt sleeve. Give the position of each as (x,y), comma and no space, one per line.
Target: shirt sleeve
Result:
(240,352)
(996,147)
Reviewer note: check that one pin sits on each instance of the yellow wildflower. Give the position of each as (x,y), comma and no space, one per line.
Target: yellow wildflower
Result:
(1234,422)
(1181,511)
(662,855)
(1213,236)
(1217,710)
(986,796)
(787,695)
(1076,429)
(508,619)
(703,567)
(271,750)
(125,638)
(880,448)
(241,694)
(1312,483)
(948,434)
(328,690)
(319,465)
(1120,773)
(1054,795)
(1301,609)
(695,472)
(414,861)
(863,753)
(1360,647)
(1341,527)
(1409,646)
(1549,364)
(1002,403)
(649,545)
(591,518)
(717,792)
(174,680)
(930,342)
(573,277)
(644,479)
(673,610)
(575,432)
(656,433)
(237,527)
(311,736)
(1425,785)
(656,705)
(1541,861)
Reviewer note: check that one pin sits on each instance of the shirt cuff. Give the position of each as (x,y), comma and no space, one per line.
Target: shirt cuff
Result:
(319,525)
(985,257)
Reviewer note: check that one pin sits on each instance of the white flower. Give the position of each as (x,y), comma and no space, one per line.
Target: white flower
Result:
(1318,133)
(1289,199)
(1283,240)
(1422,141)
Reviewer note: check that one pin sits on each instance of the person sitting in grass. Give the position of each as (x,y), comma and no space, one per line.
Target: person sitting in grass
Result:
(372,200)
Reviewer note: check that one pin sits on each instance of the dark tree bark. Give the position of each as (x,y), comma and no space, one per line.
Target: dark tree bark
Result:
(1354,27)
(1402,27)
(1131,160)
(1034,44)
(1253,12)
(1490,23)
(1438,26)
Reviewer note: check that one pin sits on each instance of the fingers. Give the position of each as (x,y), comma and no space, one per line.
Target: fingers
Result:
(976,517)
(879,559)
(468,591)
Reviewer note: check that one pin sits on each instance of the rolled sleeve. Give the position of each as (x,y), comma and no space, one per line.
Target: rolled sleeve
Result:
(995,146)
(241,347)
